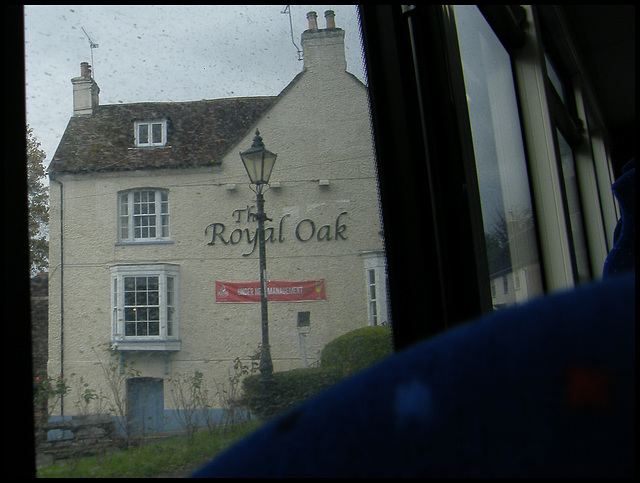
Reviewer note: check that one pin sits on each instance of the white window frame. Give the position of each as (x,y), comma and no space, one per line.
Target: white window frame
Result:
(149,142)
(127,215)
(376,262)
(168,337)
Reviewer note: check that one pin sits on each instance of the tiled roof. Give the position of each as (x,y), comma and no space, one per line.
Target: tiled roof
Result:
(199,134)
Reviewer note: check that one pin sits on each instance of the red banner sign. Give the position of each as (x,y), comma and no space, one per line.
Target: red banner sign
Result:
(277,291)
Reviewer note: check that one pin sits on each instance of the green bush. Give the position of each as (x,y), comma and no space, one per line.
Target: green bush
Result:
(341,357)
(289,389)
(357,349)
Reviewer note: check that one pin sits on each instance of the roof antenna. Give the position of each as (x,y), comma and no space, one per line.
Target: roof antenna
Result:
(92,46)
(287,10)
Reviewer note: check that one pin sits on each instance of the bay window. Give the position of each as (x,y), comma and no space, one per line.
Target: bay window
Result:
(145,307)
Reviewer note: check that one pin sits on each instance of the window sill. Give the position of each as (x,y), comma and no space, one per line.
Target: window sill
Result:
(149,242)
(147,345)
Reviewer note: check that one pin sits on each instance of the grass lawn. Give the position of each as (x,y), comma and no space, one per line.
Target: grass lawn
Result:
(155,458)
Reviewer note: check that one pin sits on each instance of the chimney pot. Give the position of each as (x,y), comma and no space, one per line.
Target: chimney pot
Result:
(323,49)
(85,92)
(330,15)
(85,69)
(313,20)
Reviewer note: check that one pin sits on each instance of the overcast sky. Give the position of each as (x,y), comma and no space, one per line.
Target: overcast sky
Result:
(164,53)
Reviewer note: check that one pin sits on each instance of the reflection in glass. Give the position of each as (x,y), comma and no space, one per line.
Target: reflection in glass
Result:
(507,213)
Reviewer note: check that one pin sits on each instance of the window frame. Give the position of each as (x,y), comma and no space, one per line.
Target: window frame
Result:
(372,296)
(150,142)
(415,118)
(161,200)
(546,114)
(521,246)
(377,301)
(163,341)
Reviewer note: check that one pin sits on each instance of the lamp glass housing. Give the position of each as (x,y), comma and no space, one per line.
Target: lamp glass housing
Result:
(258,161)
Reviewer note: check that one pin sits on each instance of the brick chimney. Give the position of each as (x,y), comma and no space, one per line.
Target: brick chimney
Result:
(323,48)
(85,92)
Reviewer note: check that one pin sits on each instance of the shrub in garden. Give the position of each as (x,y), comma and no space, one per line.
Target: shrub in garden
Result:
(357,349)
(287,389)
(339,358)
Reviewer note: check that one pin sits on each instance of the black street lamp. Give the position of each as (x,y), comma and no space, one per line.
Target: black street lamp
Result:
(259,163)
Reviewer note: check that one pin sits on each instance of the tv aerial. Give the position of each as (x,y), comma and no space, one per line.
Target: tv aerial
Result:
(287,10)
(92,45)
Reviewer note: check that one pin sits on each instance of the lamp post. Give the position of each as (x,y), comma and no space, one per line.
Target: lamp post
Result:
(259,163)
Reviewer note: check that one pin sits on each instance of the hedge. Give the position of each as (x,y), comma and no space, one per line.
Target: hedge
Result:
(289,389)
(340,358)
(357,349)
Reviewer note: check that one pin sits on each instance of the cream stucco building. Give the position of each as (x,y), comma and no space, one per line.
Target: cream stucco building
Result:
(151,207)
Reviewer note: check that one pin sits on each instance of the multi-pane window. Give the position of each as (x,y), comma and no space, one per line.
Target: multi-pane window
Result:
(373,305)
(141,306)
(171,305)
(145,302)
(151,133)
(144,215)
(376,287)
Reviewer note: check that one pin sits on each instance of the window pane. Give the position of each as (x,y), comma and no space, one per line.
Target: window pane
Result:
(144,214)
(124,228)
(143,134)
(578,239)
(170,321)
(554,77)
(156,133)
(142,314)
(124,216)
(141,298)
(507,212)
(124,204)
(129,283)
(165,226)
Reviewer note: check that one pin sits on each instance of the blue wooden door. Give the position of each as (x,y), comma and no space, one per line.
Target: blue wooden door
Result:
(145,404)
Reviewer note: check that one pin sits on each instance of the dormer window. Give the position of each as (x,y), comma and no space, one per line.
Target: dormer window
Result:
(151,133)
